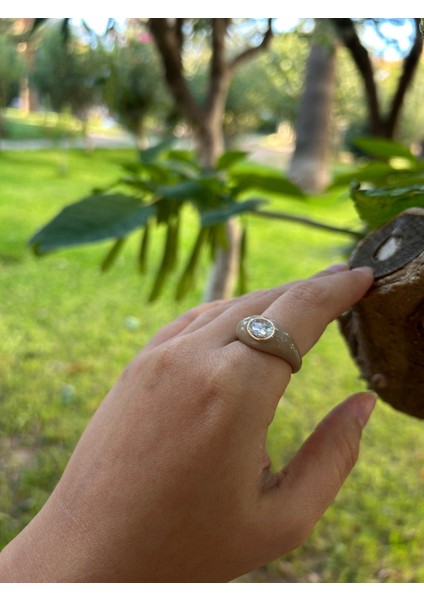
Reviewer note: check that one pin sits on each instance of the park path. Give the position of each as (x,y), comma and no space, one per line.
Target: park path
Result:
(260,151)
(94,141)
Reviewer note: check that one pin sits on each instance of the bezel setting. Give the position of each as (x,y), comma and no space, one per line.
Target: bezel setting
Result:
(260,328)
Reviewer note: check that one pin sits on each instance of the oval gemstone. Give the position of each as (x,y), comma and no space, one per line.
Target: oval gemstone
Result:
(260,328)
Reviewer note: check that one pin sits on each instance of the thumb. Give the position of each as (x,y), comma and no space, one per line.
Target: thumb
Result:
(312,479)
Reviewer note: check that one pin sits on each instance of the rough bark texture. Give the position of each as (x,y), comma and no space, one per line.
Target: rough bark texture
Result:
(385,330)
(309,167)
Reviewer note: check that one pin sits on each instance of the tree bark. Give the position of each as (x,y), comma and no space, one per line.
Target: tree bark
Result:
(309,166)
(385,330)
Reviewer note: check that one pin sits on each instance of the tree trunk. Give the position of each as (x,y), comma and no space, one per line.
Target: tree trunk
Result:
(209,138)
(309,166)
(224,271)
(222,278)
(385,330)
(206,118)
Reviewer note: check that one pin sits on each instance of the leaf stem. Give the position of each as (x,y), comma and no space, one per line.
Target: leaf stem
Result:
(309,222)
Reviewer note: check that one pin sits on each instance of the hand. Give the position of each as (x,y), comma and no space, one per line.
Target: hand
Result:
(171,480)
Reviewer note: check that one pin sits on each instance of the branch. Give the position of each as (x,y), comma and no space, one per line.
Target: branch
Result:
(219,71)
(347,32)
(179,24)
(409,68)
(168,40)
(305,221)
(250,52)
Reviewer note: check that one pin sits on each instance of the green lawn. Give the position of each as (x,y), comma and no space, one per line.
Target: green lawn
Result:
(67,331)
(49,126)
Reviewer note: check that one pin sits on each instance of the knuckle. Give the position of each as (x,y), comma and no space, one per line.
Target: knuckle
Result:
(215,379)
(196,378)
(169,359)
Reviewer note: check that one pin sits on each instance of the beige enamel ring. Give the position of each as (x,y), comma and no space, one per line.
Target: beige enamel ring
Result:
(266,335)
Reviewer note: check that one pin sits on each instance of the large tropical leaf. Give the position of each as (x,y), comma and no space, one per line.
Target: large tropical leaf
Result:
(265,183)
(383,148)
(373,172)
(95,218)
(212,217)
(377,206)
(229,158)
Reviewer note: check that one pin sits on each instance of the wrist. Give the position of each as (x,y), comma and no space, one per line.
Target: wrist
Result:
(52,548)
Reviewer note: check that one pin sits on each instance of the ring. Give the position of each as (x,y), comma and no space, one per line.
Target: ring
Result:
(265,334)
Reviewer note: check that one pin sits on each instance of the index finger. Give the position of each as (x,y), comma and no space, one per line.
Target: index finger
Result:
(304,311)
(308,307)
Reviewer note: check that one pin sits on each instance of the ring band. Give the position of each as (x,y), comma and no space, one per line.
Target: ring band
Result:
(266,335)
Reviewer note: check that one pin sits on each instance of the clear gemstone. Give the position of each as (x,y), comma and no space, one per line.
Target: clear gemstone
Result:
(260,328)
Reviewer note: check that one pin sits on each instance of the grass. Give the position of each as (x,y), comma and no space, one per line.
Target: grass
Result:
(48,126)
(67,331)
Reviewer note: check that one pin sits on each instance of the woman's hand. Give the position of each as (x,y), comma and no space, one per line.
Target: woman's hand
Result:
(171,480)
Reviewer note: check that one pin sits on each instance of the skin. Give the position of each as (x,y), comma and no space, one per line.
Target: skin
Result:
(171,481)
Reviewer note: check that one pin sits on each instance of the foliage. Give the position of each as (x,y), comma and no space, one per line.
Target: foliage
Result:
(266,92)
(66,335)
(66,72)
(11,69)
(389,182)
(155,192)
(133,84)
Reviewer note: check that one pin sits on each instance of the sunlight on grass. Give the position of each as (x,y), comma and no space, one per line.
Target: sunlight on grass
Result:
(67,332)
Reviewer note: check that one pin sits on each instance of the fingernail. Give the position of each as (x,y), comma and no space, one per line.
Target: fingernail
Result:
(367,270)
(364,406)
(337,267)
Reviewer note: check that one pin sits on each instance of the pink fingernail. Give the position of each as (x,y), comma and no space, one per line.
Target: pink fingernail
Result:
(364,270)
(364,406)
(338,267)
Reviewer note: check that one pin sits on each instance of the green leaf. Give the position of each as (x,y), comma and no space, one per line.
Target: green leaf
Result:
(171,251)
(131,167)
(383,148)
(157,173)
(112,255)
(186,280)
(265,183)
(153,153)
(137,183)
(185,156)
(184,190)
(373,172)
(169,258)
(93,219)
(157,285)
(220,215)
(144,247)
(377,206)
(242,270)
(183,169)
(228,159)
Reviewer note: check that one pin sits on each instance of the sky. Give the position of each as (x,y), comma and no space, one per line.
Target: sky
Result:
(402,34)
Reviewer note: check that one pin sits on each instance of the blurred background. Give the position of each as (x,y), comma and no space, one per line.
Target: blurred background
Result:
(149,164)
